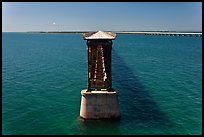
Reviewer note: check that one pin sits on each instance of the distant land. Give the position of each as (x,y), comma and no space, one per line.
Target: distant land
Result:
(169,33)
(124,32)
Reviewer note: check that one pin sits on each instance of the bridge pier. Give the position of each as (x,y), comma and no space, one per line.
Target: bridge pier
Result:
(99,105)
(99,100)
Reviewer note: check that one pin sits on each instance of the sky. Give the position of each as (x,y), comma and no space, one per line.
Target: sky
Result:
(106,16)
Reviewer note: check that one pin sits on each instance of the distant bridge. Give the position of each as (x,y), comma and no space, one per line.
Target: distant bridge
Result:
(192,34)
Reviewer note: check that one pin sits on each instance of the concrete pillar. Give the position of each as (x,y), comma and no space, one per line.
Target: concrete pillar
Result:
(99,104)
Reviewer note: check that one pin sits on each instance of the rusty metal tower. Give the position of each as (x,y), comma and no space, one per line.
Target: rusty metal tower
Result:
(99,60)
(99,100)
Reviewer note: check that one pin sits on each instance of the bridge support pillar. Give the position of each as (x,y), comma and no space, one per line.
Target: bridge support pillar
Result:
(99,100)
(99,105)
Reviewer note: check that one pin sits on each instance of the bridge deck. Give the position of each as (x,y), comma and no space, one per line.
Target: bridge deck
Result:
(99,73)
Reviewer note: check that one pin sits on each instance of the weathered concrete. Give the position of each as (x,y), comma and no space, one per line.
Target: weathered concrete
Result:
(99,104)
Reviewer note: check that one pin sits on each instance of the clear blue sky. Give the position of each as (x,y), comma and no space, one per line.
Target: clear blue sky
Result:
(112,16)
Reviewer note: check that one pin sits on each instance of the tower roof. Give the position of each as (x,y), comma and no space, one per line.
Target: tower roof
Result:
(99,35)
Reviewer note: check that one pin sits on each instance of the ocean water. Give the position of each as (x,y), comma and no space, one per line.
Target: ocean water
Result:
(159,80)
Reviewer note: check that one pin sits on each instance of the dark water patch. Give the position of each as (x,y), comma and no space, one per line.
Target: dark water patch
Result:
(136,103)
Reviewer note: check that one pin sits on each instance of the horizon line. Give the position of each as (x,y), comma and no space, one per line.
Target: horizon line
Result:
(114,31)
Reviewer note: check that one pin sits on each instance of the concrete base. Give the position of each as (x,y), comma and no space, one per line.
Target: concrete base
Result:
(99,105)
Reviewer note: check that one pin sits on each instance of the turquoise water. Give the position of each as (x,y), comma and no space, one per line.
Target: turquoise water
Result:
(159,80)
